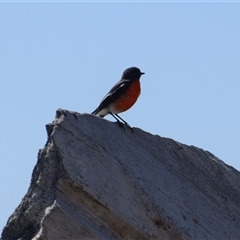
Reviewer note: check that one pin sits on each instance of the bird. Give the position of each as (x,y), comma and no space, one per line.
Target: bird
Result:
(121,96)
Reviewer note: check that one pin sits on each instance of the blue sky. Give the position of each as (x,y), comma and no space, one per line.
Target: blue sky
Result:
(68,55)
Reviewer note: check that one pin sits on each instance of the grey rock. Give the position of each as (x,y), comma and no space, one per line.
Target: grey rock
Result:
(97,180)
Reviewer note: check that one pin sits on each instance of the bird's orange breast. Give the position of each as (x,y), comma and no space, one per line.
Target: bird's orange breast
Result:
(129,97)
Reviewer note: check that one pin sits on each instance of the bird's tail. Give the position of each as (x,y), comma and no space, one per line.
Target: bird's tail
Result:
(98,113)
(95,112)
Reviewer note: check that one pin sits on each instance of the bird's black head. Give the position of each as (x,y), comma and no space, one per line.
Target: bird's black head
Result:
(132,73)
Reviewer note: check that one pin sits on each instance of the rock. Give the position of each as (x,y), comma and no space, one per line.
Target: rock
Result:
(97,180)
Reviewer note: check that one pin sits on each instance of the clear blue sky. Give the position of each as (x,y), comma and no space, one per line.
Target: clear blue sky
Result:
(68,55)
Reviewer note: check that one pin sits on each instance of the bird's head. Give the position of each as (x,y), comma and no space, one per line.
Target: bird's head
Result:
(132,73)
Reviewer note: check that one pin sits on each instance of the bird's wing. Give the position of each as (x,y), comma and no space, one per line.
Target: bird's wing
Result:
(117,90)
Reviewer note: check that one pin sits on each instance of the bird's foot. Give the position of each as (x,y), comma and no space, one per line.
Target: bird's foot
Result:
(123,125)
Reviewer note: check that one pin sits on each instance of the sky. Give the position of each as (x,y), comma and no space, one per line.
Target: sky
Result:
(69,55)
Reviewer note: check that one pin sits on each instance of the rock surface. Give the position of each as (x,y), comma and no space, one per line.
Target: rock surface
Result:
(96,180)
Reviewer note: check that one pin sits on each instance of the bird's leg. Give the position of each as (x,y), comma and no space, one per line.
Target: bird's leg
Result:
(122,120)
(119,123)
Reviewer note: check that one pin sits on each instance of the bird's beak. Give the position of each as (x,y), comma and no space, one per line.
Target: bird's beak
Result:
(142,73)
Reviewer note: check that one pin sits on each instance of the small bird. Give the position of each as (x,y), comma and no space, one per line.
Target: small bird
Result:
(122,96)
